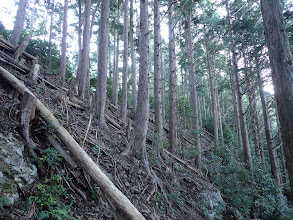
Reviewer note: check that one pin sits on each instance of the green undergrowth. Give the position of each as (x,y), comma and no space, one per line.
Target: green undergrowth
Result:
(48,200)
(48,197)
(255,195)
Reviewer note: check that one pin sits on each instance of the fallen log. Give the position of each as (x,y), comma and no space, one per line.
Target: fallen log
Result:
(51,85)
(112,122)
(20,49)
(58,147)
(13,65)
(12,48)
(14,62)
(184,163)
(117,198)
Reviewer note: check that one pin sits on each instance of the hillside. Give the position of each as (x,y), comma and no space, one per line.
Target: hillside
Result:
(43,183)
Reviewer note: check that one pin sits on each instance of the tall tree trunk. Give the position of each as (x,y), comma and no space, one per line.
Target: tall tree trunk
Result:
(235,105)
(115,75)
(250,87)
(52,6)
(125,65)
(138,136)
(133,59)
(285,175)
(213,95)
(19,22)
(172,82)
(193,92)
(80,21)
(163,82)
(157,75)
(63,44)
(103,61)
(116,69)
(233,65)
(114,51)
(244,131)
(84,59)
(243,125)
(282,73)
(268,130)
(220,127)
(251,82)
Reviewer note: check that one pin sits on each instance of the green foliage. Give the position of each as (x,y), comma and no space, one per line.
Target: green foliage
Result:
(96,149)
(47,198)
(3,201)
(42,127)
(4,32)
(160,205)
(40,48)
(208,123)
(51,156)
(96,193)
(255,195)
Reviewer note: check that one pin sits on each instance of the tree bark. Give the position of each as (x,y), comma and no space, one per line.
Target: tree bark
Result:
(79,41)
(120,201)
(243,125)
(84,59)
(19,23)
(163,82)
(133,59)
(52,6)
(139,133)
(268,131)
(101,87)
(63,44)
(250,87)
(233,66)
(116,71)
(213,95)
(244,131)
(21,48)
(193,92)
(282,73)
(125,65)
(172,82)
(157,76)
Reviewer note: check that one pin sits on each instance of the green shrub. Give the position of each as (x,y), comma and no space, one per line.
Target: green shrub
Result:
(255,195)
(51,156)
(47,198)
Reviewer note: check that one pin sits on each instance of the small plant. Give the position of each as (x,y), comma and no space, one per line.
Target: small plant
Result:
(3,201)
(52,157)
(43,127)
(96,149)
(47,198)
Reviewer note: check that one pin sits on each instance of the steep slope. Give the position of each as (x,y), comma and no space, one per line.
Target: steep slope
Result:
(186,192)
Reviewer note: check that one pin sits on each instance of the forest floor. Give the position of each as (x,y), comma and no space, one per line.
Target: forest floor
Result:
(186,194)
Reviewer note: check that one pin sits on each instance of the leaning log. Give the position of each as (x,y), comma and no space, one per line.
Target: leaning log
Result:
(21,48)
(7,45)
(117,198)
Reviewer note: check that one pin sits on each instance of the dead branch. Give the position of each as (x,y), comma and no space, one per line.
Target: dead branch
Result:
(12,62)
(184,163)
(59,148)
(28,107)
(21,48)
